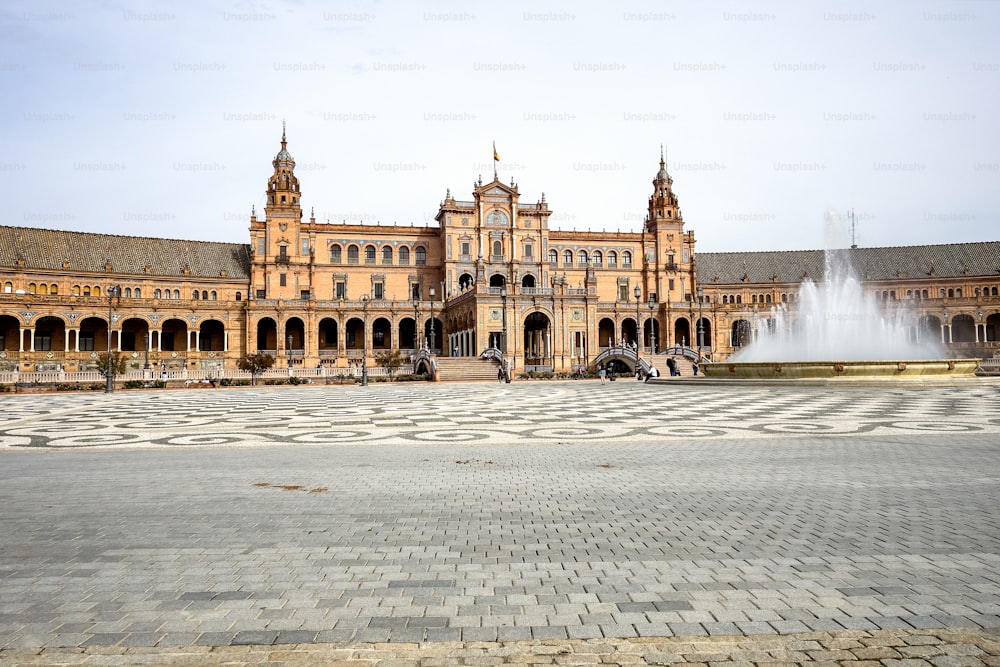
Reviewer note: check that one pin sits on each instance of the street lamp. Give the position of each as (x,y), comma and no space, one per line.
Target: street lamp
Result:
(112,293)
(146,338)
(652,328)
(288,352)
(701,325)
(416,338)
(430,291)
(638,329)
(364,351)
(503,332)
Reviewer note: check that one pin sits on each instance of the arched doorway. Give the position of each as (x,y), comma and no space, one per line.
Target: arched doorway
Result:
(992,328)
(537,341)
(295,335)
(134,332)
(381,334)
(267,335)
(408,333)
(93,334)
(174,336)
(212,336)
(50,335)
(355,332)
(650,334)
(528,281)
(682,332)
(434,341)
(963,329)
(606,332)
(929,328)
(10,328)
(740,334)
(629,331)
(465,281)
(497,280)
(328,337)
(703,329)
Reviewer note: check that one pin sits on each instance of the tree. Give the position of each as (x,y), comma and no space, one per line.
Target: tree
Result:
(390,360)
(119,364)
(255,364)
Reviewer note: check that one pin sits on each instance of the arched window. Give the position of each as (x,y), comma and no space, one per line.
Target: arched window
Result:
(739,298)
(204,295)
(568,258)
(754,298)
(725,299)
(352,254)
(54,289)
(369,254)
(626,259)
(404,255)
(96,291)
(76,289)
(553,257)
(497,249)
(612,259)
(958,292)
(31,288)
(581,258)
(156,294)
(784,297)
(8,287)
(767,298)
(43,288)
(336,254)
(86,290)
(128,292)
(977,291)
(195,295)
(387,254)
(994,291)
(239,296)
(215,295)
(598,258)
(420,256)
(177,294)
(137,293)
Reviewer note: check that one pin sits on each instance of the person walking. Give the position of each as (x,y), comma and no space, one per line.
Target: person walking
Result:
(602,373)
(500,375)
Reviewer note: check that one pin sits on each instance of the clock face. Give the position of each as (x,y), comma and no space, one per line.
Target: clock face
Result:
(496,218)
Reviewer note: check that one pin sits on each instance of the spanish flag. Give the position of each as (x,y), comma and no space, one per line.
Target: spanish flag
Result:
(496,156)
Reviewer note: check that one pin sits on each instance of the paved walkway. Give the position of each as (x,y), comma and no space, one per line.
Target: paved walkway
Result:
(532,522)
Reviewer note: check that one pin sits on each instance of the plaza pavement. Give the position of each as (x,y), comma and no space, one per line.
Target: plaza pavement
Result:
(536,522)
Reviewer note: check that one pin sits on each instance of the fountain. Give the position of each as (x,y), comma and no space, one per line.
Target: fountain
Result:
(838,331)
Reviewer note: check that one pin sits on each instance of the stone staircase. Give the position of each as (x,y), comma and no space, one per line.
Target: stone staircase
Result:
(465,369)
(683,364)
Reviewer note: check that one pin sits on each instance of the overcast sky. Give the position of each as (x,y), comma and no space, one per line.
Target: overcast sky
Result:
(161,119)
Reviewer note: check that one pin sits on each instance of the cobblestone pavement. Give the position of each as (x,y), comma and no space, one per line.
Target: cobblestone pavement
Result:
(533,523)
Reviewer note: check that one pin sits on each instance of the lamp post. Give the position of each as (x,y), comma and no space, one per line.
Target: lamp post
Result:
(701,325)
(112,293)
(145,337)
(652,332)
(503,307)
(638,329)
(430,291)
(416,338)
(288,353)
(364,351)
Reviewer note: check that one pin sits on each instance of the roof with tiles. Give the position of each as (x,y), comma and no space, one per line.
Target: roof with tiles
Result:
(85,252)
(892,263)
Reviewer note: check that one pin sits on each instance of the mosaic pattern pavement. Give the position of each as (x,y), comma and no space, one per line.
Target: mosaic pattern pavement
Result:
(525,412)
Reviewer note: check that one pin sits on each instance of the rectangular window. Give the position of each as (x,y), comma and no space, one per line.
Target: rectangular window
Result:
(670,284)
(283,254)
(261,294)
(305,246)
(43,342)
(304,295)
(341,290)
(415,291)
(282,279)
(378,290)
(86,341)
(465,248)
(528,250)
(623,292)
(260,246)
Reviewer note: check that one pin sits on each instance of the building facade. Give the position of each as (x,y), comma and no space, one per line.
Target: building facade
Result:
(490,275)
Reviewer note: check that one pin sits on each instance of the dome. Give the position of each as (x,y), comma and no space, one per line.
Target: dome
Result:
(284,156)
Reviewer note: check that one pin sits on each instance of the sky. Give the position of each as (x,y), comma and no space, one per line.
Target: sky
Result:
(161,119)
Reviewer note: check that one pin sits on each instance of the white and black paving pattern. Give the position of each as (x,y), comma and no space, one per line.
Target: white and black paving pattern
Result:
(530,511)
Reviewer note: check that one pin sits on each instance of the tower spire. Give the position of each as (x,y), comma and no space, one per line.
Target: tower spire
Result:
(283,140)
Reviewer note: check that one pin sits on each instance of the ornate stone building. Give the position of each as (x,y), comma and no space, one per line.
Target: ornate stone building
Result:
(491,274)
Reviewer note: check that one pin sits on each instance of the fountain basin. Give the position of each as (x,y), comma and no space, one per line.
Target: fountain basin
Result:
(792,370)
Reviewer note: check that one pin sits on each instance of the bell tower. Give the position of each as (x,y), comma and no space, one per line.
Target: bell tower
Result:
(669,257)
(663,208)
(283,187)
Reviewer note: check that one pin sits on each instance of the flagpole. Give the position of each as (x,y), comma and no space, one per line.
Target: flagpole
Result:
(495,160)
